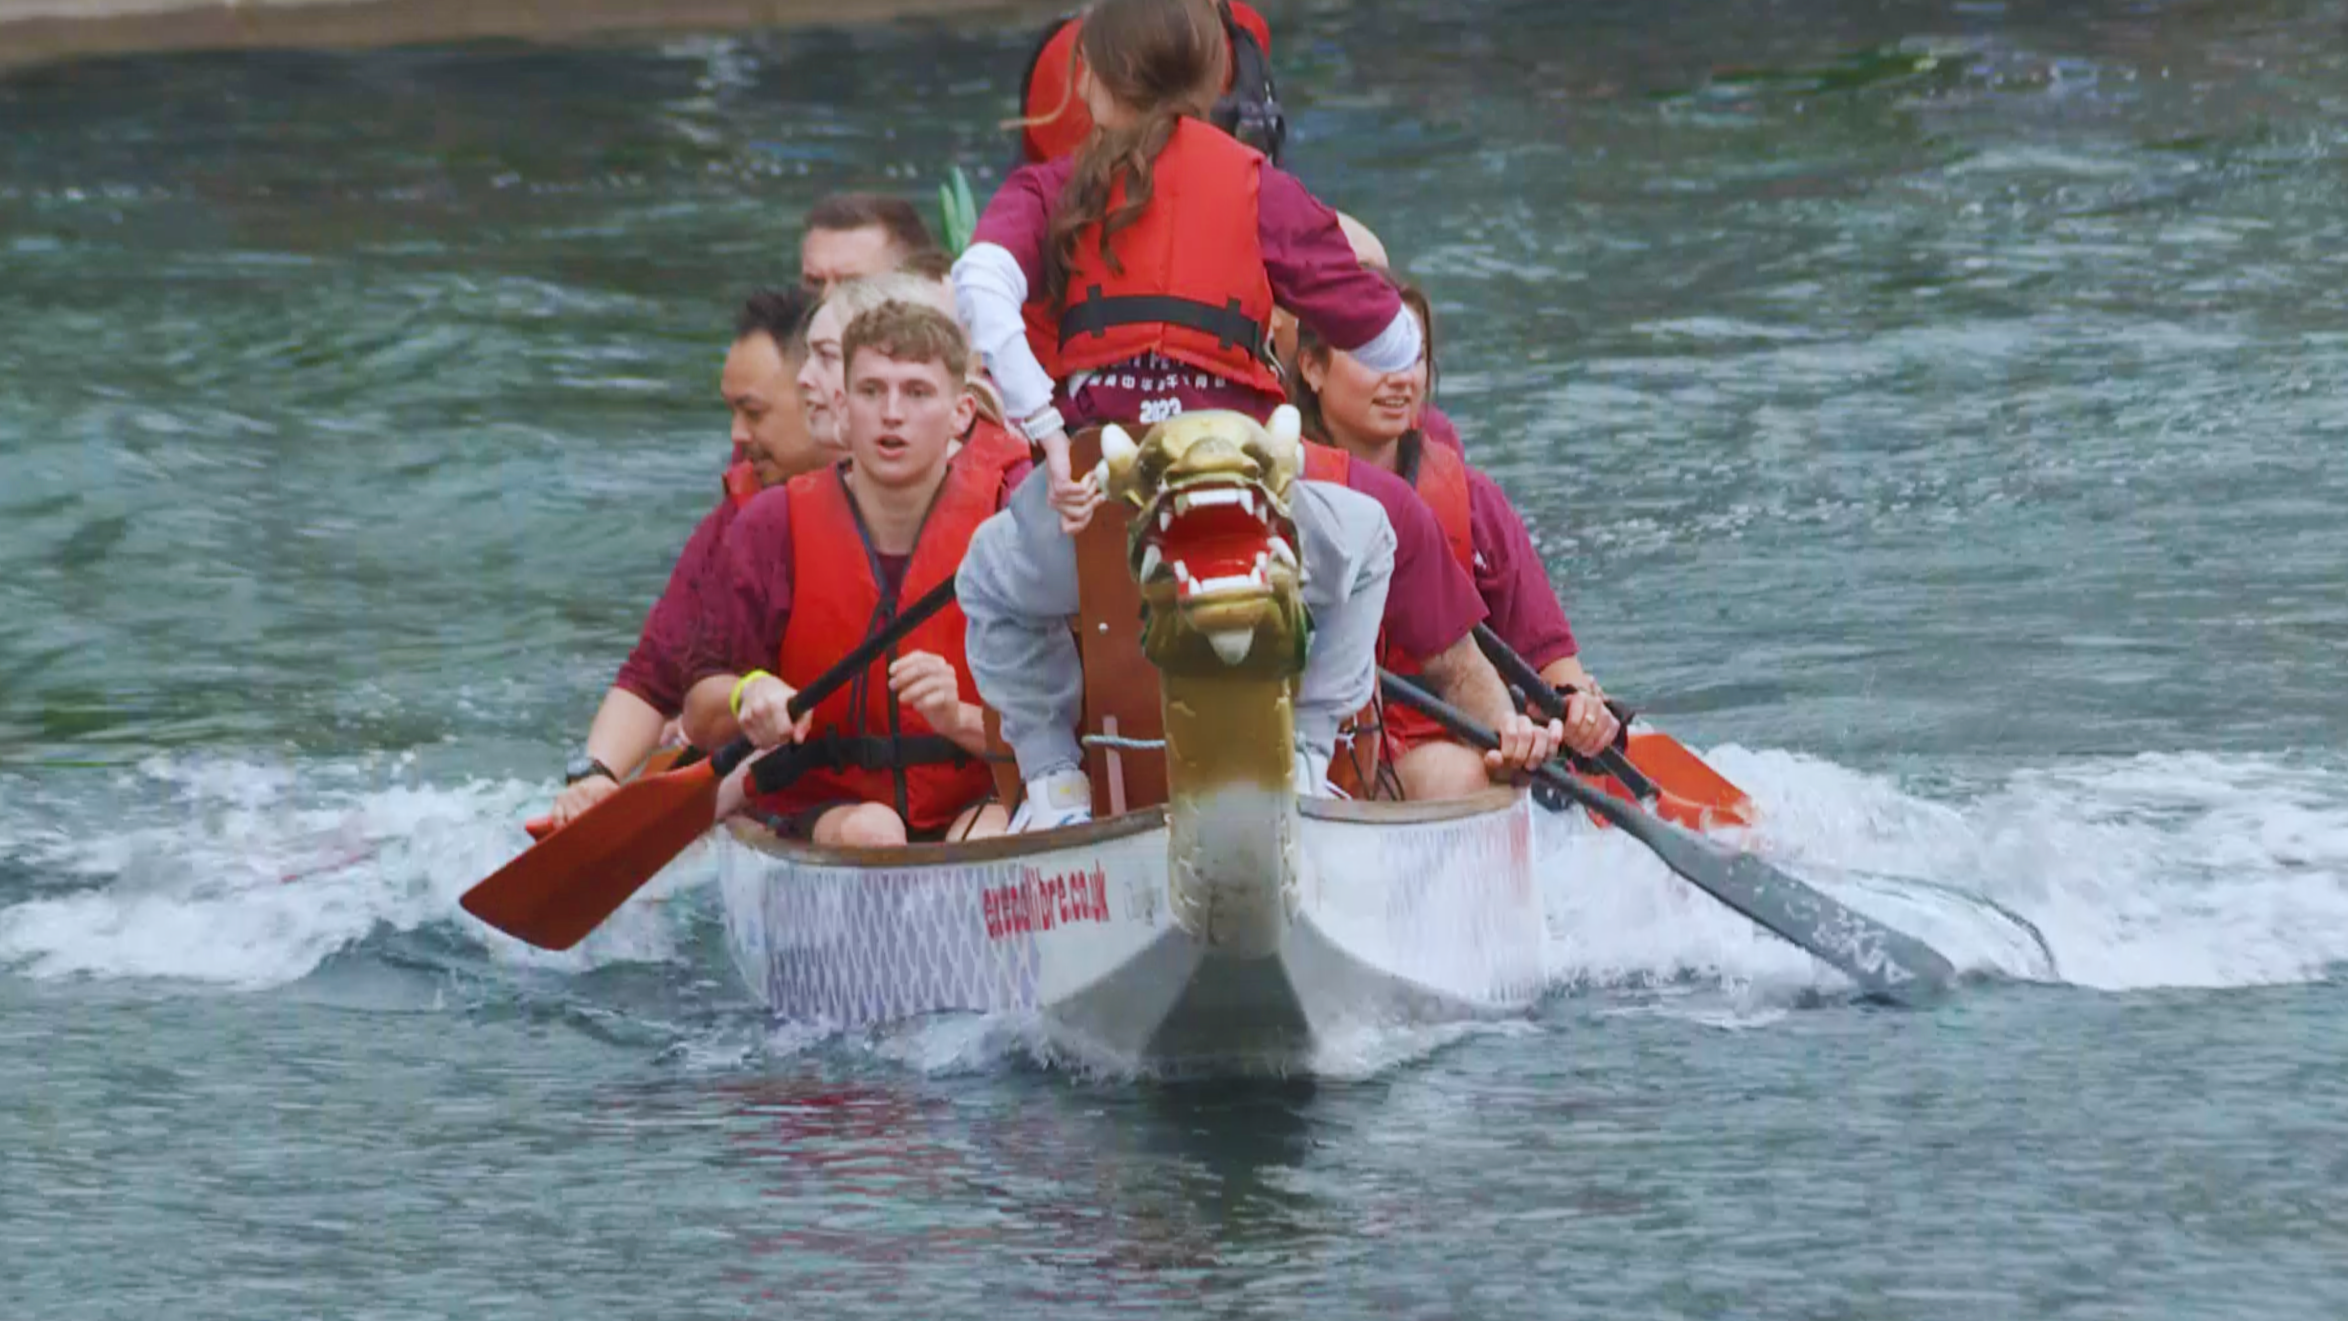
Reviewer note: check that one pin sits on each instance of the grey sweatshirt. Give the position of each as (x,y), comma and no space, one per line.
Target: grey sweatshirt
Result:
(1017,587)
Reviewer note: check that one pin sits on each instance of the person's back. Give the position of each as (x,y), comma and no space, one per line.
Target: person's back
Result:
(1055,121)
(1135,279)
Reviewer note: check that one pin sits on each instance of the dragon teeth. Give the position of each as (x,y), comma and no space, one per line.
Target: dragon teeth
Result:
(1149,561)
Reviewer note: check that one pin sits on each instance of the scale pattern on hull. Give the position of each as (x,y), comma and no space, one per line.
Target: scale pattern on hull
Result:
(852,946)
(1440,917)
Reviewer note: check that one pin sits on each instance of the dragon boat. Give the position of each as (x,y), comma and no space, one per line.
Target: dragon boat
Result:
(1210,914)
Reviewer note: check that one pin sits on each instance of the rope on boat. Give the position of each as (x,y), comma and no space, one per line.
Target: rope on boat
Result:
(1123,744)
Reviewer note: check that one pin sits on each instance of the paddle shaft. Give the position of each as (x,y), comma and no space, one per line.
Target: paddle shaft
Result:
(1884,962)
(1546,703)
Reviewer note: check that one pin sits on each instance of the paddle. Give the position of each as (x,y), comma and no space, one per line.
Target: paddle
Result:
(1884,962)
(1657,769)
(565,885)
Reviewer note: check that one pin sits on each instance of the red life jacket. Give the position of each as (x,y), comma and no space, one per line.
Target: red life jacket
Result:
(1060,122)
(742,484)
(1442,481)
(1192,287)
(991,445)
(864,745)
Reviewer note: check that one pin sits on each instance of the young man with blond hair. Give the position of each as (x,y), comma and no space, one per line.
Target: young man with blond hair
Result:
(814,568)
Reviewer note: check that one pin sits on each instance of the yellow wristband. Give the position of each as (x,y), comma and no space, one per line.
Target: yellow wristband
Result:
(734,703)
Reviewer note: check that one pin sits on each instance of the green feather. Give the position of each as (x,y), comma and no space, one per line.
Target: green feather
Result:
(957,212)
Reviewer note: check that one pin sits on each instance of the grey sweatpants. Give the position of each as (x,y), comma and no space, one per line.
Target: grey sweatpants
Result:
(1017,587)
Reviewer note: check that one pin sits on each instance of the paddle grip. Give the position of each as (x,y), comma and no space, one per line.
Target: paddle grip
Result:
(1549,704)
(1469,728)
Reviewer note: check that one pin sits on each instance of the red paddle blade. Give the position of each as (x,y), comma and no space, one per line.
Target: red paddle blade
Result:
(565,885)
(1693,794)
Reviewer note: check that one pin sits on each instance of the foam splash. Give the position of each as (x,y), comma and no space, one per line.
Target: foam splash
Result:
(2153,870)
(248,876)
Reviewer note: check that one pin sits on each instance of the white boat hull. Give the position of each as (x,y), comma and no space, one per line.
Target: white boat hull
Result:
(1404,914)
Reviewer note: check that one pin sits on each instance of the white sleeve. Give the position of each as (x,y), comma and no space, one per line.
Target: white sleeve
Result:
(1395,348)
(1348,566)
(1017,588)
(989,290)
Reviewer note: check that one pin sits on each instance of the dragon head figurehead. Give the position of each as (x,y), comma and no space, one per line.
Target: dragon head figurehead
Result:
(1213,546)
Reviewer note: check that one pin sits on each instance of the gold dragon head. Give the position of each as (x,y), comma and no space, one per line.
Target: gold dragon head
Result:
(1213,546)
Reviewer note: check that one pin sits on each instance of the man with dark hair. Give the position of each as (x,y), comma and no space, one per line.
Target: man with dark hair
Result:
(850,235)
(771,446)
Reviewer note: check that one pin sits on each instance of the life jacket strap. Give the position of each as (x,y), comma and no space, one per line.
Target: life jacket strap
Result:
(1095,314)
(864,752)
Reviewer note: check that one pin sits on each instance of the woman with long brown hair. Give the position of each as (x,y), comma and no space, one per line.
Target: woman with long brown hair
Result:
(1374,417)
(1135,279)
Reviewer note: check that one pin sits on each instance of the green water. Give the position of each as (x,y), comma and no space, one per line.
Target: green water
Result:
(1931,410)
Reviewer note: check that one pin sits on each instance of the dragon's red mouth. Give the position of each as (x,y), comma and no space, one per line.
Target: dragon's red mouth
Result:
(1214,539)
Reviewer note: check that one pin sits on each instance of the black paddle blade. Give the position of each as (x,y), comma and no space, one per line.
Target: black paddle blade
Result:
(1885,963)
(1889,964)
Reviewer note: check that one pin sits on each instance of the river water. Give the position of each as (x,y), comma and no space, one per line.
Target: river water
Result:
(1930,410)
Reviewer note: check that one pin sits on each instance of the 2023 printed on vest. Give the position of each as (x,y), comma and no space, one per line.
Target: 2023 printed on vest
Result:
(1931,413)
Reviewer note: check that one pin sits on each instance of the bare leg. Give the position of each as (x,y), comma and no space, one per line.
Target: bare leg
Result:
(1440,768)
(860,826)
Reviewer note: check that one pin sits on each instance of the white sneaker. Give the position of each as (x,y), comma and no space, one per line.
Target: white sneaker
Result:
(1062,798)
(1312,775)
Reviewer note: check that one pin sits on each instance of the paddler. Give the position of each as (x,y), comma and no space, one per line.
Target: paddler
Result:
(852,235)
(1057,121)
(1019,587)
(1371,252)
(1373,418)
(772,444)
(813,568)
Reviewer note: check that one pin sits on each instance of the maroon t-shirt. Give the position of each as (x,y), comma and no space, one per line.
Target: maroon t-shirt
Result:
(1511,579)
(658,669)
(1311,268)
(744,602)
(1430,603)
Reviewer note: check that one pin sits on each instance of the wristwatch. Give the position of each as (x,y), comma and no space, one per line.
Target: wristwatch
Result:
(585,767)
